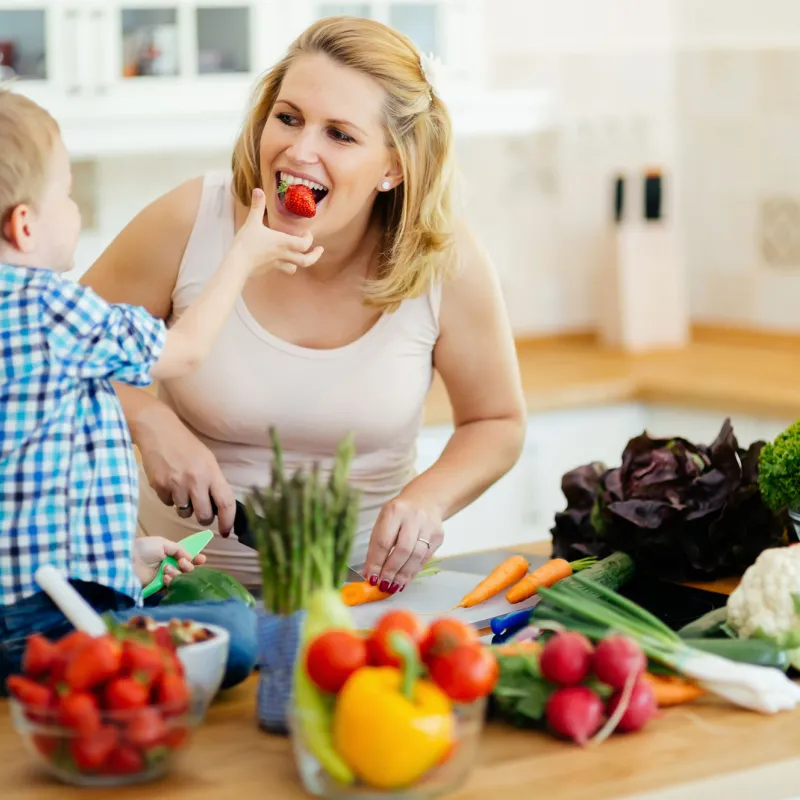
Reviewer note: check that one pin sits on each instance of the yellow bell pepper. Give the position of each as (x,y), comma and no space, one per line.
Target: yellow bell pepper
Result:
(391,727)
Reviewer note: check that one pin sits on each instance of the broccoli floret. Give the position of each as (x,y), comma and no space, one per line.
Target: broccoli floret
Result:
(779,470)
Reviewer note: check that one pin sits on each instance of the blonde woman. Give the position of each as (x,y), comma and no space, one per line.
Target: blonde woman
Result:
(350,344)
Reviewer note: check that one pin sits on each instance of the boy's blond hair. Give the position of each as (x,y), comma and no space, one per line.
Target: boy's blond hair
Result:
(27,136)
(417,216)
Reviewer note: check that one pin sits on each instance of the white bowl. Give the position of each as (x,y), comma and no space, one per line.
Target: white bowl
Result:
(205,662)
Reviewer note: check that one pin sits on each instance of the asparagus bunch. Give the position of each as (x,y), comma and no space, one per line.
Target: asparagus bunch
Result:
(303,527)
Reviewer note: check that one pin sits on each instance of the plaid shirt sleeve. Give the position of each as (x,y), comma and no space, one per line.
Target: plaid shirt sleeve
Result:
(91,338)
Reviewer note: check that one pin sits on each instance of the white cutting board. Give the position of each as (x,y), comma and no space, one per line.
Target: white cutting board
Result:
(438,593)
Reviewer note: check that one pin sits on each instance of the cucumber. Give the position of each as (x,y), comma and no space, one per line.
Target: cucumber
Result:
(748,651)
(707,626)
(612,572)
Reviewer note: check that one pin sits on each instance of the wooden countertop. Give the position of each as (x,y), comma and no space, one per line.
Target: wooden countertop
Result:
(698,750)
(725,371)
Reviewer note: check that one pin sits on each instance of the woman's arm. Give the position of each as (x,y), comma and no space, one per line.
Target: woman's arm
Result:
(141,267)
(476,357)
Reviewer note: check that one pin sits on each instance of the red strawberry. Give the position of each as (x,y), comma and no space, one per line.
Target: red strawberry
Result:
(79,712)
(40,655)
(299,199)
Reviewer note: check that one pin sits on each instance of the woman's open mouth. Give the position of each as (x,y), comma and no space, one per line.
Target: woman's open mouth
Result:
(285,179)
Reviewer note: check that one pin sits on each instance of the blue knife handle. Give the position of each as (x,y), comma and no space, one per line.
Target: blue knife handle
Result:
(510,621)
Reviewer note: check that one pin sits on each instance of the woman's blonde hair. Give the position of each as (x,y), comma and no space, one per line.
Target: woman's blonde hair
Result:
(416,216)
(27,136)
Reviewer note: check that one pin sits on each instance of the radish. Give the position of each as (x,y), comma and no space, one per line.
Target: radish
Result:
(616,658)
(641,708)
(566,659)
(575,712)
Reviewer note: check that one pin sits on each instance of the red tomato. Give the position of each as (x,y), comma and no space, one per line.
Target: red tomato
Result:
(40,655)
(173,693)
(146,729)
(90,752)
(445,634)
(333,657)
(79,712)
(379,646)
(124,760)
(142,661)
(125,694)
(95,662)
(465,673)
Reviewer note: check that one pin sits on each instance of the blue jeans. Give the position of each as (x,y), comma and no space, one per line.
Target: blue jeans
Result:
(39,614)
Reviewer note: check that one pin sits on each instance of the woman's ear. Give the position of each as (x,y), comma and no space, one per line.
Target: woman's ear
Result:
(393,177)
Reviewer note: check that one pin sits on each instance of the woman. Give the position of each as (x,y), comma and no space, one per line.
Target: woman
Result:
(349,344)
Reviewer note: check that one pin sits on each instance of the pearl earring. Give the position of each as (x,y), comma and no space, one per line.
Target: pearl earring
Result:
(386,185)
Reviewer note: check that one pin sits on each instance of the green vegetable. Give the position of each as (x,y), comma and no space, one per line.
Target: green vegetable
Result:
(612,572)
(779,470)
(304,529)
(748,651)
(204,583)
(520,694)
(705,627)
(747,685)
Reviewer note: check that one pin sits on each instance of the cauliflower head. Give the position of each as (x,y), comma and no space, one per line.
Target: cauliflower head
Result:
(767,601)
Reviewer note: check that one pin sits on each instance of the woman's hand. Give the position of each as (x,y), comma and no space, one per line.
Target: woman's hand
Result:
(150,551)
(183,471)
(404,539)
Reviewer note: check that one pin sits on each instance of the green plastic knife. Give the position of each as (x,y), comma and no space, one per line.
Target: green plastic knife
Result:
(192,544)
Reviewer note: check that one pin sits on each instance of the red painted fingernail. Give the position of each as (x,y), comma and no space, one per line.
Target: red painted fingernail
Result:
(373,581)
(394,587)
(402,588)
(384,586)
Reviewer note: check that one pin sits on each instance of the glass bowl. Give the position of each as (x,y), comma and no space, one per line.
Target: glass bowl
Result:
(130,746)
(442,779)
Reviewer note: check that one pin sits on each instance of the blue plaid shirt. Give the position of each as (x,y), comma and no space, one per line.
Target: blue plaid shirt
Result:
(68,477)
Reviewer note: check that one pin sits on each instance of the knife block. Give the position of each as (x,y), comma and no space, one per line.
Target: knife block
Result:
(643,303)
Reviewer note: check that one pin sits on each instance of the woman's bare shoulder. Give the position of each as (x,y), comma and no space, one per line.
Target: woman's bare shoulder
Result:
(141,264)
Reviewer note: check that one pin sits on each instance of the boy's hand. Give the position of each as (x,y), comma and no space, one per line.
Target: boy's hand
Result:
(264,249)
(150,551)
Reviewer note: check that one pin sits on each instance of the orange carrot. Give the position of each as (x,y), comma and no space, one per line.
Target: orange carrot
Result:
(670,690)
(545,576)
(508,573)
(360,592)
(517,648)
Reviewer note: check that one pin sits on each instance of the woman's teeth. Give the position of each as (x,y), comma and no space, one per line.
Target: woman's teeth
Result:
(291,180)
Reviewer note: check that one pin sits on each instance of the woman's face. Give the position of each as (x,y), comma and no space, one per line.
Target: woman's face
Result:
(326,129)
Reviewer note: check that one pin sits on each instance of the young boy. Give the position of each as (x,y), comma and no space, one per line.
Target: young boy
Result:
(68,478)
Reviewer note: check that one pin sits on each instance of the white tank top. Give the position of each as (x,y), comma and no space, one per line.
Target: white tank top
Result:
(376,387)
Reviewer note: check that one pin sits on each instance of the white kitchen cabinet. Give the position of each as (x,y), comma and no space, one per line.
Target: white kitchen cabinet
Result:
(128,77)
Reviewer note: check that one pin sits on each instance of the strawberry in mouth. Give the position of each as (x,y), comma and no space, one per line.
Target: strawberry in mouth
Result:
(299,195)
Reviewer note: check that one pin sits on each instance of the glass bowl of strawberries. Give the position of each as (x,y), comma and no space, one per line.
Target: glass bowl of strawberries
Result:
(110,710)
